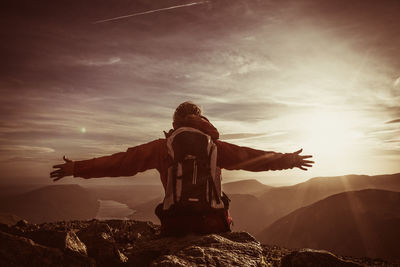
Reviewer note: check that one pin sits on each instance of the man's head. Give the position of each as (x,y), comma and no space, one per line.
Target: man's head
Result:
(183,110)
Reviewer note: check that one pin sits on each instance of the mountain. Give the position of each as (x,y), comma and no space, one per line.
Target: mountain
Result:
(356,223)
(244,206)
(250,186)
(145,211)
(246,211)
(9,219)
(280,201)
(254,205)
(9,190)
(52,203)
(136,243)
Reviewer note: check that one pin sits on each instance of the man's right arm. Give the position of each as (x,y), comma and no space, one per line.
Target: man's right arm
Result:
(134,160)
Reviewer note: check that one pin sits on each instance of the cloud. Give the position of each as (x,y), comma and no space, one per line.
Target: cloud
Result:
(251,71)
(396,82)
(27,149)
(240,135)
(24,159)
(248,110)
(100,63)
(234,136)
(393,121)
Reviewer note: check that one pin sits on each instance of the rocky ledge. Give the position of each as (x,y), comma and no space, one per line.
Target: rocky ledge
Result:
(136,243)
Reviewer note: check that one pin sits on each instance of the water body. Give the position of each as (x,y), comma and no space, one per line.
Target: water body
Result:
(110,209)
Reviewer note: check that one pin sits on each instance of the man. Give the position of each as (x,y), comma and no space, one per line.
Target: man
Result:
(157,155)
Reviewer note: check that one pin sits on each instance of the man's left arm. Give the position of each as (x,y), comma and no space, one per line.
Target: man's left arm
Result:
(234,157)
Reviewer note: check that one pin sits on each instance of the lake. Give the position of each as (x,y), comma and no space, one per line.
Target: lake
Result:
(110,209)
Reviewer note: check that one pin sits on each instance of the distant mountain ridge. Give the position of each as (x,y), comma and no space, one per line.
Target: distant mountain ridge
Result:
(254,205)
(52,203)
(279,201)
(250,186)
(356,223)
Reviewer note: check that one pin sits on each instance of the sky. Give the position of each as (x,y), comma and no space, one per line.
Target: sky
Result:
(274,75)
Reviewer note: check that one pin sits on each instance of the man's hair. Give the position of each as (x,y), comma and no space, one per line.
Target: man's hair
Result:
(184,109)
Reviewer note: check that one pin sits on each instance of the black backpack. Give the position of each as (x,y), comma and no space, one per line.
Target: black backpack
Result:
(194,179)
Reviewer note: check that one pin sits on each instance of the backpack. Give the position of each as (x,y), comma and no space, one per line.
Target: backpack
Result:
(194,179)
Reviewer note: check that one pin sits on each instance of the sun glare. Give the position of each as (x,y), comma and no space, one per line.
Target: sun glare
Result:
(331,136)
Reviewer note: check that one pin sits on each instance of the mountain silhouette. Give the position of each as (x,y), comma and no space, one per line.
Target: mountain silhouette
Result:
(356,223)
(52,203)
(280,201)
(250,186)
(145,211)
(9,219)
(243,205)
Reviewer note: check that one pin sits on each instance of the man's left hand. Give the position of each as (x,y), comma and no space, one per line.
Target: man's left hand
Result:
(301,162)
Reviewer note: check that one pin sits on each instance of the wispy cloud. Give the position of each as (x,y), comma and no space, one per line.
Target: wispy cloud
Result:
(393,121)
(240,135)
(24,159)
(99,63)
(396,82)
(248,65)
(28,149)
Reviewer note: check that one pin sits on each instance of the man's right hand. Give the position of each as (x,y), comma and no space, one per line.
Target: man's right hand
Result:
(65,169)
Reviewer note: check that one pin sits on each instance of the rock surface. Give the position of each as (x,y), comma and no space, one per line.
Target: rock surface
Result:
(135,243)
(229,249)
(314,258)
(20,251)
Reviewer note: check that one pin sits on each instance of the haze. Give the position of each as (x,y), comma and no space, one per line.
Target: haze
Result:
(274,75)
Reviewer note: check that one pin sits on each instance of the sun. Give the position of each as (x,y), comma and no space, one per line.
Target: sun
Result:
(331,136)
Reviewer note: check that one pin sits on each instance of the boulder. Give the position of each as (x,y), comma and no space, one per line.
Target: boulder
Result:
(66,241)
(101,245)
(21,251)
(229,249)
(314,258)
(22,223)
(134,243)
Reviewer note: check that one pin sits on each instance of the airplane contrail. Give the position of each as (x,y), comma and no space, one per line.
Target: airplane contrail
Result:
(150,11)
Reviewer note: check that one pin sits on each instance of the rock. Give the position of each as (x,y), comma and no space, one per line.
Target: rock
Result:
(21,251)
(101,244)
(129,230)
(74,245)
(22,223)
(314,258)
(134,243)
(229,249)
(66,241)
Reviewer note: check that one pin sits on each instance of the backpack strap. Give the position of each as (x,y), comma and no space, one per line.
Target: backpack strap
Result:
(174,174)
(213,188)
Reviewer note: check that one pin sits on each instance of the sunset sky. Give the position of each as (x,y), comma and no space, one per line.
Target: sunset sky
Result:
(274,75)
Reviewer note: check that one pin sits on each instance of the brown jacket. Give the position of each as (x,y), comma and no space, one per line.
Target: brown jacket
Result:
(154,155)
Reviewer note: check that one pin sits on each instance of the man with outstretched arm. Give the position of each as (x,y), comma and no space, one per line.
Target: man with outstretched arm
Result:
(157,155)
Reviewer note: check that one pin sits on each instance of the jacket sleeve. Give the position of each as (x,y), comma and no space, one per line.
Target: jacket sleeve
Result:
(233,157)
(134,160)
